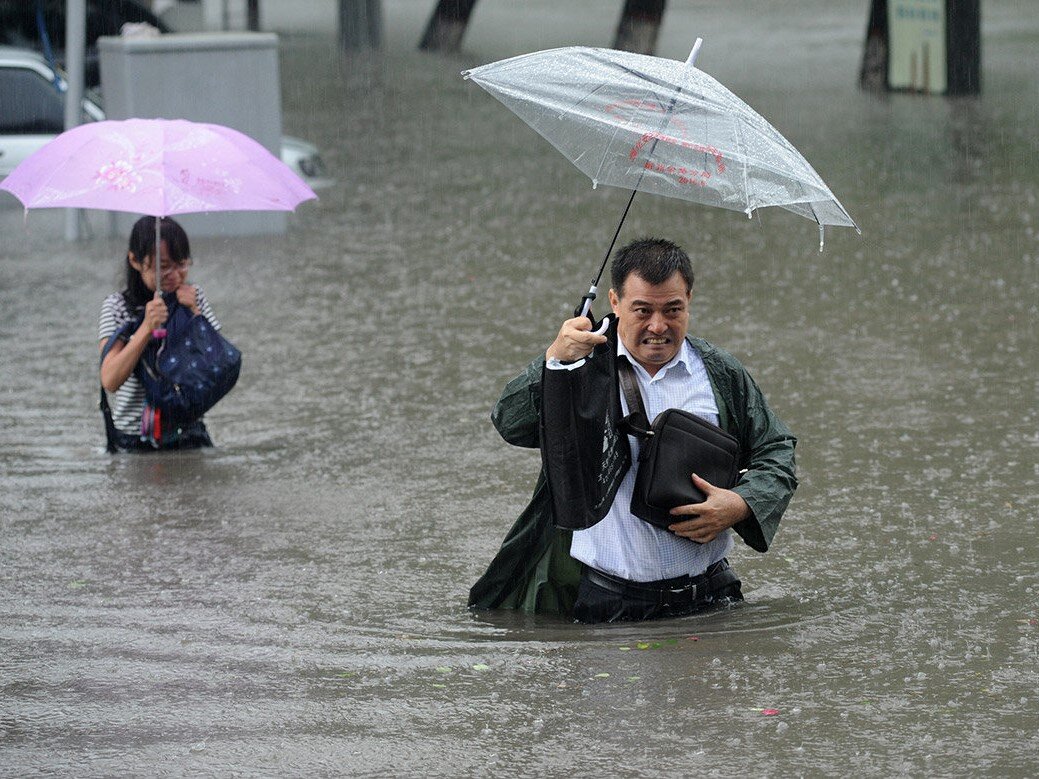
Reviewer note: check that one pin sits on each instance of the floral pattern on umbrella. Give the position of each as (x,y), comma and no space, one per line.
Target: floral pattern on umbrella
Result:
(158,167)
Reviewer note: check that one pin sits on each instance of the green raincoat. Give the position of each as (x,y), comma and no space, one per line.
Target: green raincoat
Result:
(533,570)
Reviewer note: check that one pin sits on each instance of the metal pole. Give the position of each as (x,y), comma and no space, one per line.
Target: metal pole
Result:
(157,259)
(253,12)
(75,50)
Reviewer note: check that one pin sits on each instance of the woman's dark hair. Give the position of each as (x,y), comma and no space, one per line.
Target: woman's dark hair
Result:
(142,244)
(654,260)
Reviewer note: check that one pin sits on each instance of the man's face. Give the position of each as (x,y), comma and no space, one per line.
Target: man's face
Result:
(652,318)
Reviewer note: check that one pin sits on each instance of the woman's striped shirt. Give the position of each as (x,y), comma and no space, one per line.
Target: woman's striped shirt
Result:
(129,398)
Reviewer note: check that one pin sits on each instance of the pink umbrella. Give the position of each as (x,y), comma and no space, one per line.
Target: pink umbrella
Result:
(157,167)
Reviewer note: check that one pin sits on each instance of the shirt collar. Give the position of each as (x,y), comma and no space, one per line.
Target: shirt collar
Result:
(679,360)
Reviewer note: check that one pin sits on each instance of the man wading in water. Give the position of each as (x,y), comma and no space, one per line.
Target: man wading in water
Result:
(623,568)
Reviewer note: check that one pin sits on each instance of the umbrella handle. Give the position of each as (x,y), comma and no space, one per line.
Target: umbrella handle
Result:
(584,309)
(585,306)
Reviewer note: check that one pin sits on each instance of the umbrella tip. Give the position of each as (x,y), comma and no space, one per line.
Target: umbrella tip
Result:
(696,50)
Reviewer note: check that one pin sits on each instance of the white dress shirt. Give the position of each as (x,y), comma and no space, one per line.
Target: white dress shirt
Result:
(623,545)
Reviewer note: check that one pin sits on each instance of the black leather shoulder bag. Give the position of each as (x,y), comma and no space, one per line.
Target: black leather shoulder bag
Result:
(677,445)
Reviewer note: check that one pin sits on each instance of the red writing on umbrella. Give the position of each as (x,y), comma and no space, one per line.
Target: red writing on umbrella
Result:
(684,174)
(208,187)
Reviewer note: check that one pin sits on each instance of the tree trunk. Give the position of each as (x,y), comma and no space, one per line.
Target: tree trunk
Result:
(360,24)
(639,26)
(963,46)
(873,74)
(447,25)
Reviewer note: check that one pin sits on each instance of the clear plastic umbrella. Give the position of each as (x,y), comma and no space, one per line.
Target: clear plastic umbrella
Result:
(662,126)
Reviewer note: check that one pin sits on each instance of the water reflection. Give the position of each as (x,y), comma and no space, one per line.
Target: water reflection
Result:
(293,601)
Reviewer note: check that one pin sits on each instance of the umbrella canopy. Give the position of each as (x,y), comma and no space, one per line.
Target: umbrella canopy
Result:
(158,167)
(658,125)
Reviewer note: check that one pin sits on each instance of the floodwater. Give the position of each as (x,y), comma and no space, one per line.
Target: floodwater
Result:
(293,602)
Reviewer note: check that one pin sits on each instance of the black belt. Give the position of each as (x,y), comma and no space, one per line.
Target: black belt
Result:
(717,576)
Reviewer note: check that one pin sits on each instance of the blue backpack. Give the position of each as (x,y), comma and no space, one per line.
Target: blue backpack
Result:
(184,374)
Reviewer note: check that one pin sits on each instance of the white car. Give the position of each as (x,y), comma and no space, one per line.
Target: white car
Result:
(32,112)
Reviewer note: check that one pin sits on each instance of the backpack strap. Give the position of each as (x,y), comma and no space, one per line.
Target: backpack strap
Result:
(106,410)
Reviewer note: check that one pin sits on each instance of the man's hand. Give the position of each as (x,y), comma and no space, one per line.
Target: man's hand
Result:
(575,340)
(721,510)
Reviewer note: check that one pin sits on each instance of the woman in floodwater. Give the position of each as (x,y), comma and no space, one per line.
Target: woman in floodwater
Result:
(138,302)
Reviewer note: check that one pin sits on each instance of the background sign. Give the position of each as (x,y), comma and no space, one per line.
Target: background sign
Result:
(916,53)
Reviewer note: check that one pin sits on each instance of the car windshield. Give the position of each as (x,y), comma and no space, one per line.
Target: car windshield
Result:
(31,104)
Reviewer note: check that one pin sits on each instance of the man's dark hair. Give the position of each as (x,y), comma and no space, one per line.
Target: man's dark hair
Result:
(653,259)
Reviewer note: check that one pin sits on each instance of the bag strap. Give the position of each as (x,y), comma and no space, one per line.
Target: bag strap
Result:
(636,422)
(106,410)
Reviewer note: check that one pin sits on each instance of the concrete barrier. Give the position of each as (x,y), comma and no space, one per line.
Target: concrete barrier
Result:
(222,78)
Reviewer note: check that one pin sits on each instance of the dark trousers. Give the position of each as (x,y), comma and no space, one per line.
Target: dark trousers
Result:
(604,598)
(195,436)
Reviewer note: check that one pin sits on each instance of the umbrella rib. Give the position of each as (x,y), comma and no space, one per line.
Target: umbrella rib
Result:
(665,120)
(642,76)
(642,173)
(760,160)
(627,126)
(585,98)
(650,91)
(742,151)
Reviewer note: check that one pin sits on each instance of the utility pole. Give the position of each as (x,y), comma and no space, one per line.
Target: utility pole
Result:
(75,52)
(964,36)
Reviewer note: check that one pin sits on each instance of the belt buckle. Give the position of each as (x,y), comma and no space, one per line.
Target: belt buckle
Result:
(683,590)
